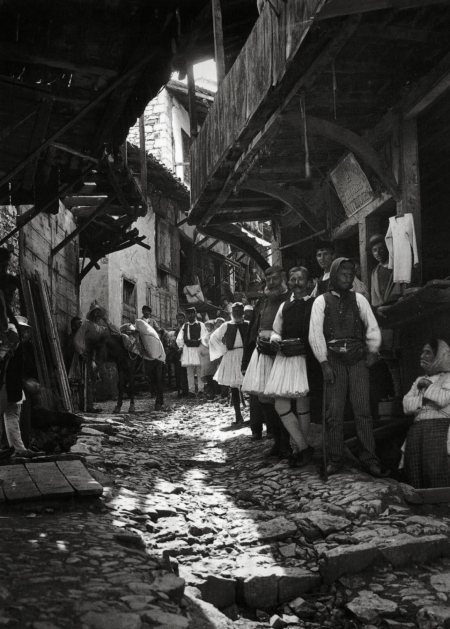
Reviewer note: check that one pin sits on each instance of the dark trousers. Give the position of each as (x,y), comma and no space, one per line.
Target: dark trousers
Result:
(181,378)
(154,370)
(351,380)
(256,415)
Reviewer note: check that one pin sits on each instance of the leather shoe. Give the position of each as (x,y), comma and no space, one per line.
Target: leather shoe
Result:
(306,456)
(256,436)
(7,453)
(269,435)
(333,468)
(275,451)
(376,471)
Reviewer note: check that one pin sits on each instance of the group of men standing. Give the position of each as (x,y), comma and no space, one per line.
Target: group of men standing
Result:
(293,331)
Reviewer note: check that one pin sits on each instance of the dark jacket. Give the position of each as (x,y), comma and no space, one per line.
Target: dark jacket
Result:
(14,375)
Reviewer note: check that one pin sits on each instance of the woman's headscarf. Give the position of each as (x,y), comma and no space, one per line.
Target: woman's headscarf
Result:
(441,361)
(334,271)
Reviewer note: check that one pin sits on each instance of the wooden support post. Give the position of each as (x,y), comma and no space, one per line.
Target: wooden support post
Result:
(410,183)
(363,239)
(143,155)
(218,41)
(277,257)
(192,101)
(83,226)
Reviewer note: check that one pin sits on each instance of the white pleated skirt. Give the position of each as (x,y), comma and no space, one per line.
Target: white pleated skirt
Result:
(257,373)
(229,373)
(190,357)
(288,378)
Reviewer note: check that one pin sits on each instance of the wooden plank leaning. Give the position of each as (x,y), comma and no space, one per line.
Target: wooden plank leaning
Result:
(55,346)
(43,375)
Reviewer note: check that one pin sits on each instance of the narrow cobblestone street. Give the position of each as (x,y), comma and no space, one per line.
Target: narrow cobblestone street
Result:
(194,510)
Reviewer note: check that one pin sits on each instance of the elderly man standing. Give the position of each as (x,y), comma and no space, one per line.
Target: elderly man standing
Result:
(345,339)
(258,357)
(189,339)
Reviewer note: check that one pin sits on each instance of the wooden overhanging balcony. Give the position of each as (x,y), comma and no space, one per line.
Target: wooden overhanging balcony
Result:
(261,77)
(314,81)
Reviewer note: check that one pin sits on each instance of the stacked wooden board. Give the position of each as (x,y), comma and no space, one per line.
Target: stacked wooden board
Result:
(35,481)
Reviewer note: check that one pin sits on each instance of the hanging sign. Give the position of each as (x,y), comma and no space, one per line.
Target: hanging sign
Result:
(352,186)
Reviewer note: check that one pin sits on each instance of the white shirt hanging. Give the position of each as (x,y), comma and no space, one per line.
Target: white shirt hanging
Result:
(402,247)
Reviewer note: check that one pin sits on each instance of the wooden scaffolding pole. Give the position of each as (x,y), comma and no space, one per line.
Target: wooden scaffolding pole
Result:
(218,41)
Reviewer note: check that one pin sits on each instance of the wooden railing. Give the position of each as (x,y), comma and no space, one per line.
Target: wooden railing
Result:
(259,68)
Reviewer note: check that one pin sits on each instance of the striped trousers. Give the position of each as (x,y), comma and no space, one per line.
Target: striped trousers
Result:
(351,380)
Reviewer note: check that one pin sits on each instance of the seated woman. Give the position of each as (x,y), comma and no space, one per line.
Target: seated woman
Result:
(426,446)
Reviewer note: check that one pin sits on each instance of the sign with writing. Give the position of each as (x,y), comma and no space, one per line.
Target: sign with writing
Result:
(352,186)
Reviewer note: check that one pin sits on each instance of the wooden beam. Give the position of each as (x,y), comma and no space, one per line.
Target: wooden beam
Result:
(212,245)
(83,201)
(117,189)
(336,8)
(356,144)
(140,64)
(200,242)
(38,134)
(111,210)
(297,242)
(291,197)
(350,225)
(143,156)
(239,243)
(69,149)
(14,125)
(30,214)
(83,226)
(182,222)
(33,55)
(218,41)
(192,102)
(242,217)
(370,32)
(425,92)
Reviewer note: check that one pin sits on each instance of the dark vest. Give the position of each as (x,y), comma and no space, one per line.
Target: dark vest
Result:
(269,310)
(194,334)
(230,335)
(296,315)
(342,318)
(323,286)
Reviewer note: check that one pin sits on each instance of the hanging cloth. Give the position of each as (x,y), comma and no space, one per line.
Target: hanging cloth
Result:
(402,247)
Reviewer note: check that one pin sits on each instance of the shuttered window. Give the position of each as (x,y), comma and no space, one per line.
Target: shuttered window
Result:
(128,301)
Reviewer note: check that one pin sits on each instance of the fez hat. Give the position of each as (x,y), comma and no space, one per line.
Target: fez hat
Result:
(248,307)
(95,306)
(238,304)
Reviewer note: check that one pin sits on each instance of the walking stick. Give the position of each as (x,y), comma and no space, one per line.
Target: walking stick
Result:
(324,432)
